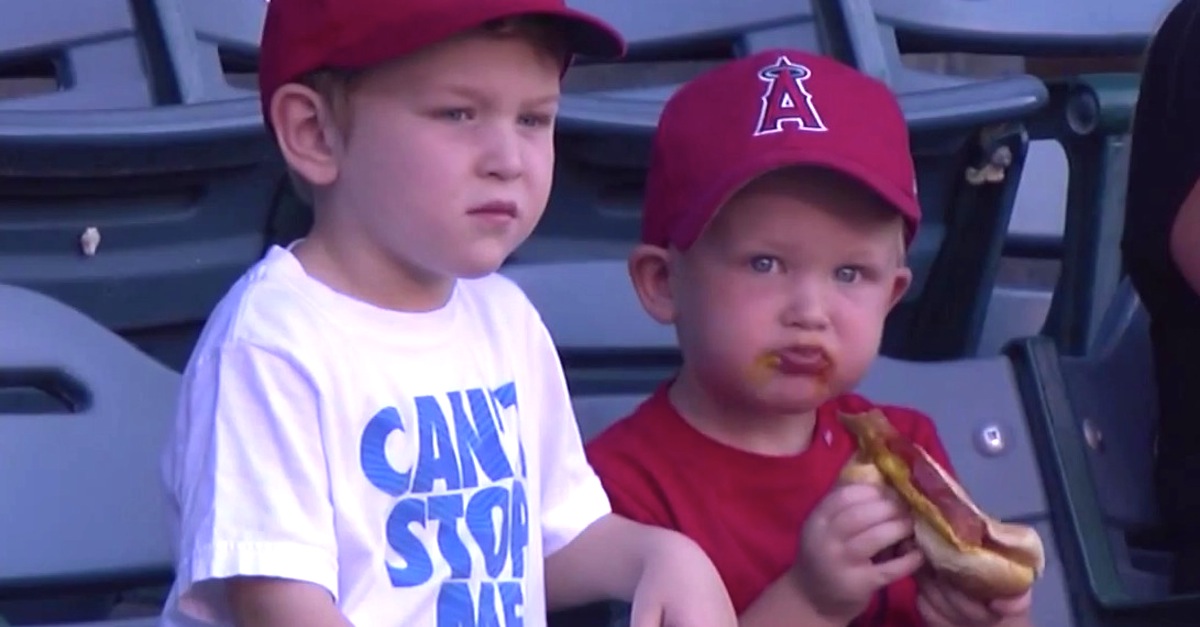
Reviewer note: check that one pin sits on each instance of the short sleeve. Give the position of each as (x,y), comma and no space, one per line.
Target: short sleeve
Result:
(248,475)
(572,497)
(632,490)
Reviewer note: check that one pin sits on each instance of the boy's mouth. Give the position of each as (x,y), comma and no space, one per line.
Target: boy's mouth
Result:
(495,208)
(800,360)
(803,361)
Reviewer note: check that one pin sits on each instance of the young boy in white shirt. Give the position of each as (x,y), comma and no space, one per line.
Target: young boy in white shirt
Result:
(374,428)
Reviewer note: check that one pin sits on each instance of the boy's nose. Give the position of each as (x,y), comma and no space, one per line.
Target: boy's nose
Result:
(502,156)
(807,307)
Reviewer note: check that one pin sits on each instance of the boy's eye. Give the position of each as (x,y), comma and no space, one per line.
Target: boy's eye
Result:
(763,263)
(847,274)
(537,120)
(454,115)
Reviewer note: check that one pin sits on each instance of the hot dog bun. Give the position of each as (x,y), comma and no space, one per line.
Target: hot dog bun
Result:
(984,557)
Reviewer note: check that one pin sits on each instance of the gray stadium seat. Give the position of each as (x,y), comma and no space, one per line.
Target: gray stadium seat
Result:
(1113,390)
(696,24)
(1093,422)
(209,44)
(88,39)
(1027,27)
(614,360)
(613,353)
(120,117)
(1089,115)
(83,415)
(708,32)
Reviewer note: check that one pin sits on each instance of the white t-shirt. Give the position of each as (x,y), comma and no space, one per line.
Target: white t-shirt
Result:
(418,466)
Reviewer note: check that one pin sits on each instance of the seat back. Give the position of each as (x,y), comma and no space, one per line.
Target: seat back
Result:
(613,353)
(1088,115)
(1026,27)
(67,56)
(1094,423)
(663,28)
(83,417)
(141,190)
(212,46)
(1115,399)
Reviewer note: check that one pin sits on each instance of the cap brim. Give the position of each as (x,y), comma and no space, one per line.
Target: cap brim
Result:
(764,162)
(588,35)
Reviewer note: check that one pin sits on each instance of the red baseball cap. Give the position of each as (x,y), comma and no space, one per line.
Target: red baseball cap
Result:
(300,36)
(774,109)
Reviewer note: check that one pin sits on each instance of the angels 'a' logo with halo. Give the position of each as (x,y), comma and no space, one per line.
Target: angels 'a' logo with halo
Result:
(786,103)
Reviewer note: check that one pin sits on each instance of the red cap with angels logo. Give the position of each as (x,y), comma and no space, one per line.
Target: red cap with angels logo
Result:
(775,109)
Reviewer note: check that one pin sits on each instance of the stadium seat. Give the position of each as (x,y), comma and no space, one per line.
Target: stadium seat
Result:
(1088,114)
(212,46)
(1092,422)
(136,181)
(82,420)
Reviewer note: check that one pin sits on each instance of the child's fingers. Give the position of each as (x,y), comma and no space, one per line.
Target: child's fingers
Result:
(1013,606)
(971,611)
(932,608)
(879,537)
(934,595)
(899,567)
(862,516)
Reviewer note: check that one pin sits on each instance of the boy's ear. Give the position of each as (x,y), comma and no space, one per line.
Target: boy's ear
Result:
(305,133)
(650,272)
(900,286)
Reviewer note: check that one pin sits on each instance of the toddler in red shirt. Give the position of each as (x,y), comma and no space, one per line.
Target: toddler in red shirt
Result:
(780,202)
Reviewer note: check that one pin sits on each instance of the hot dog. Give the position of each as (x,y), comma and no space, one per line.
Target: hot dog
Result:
(983,557)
